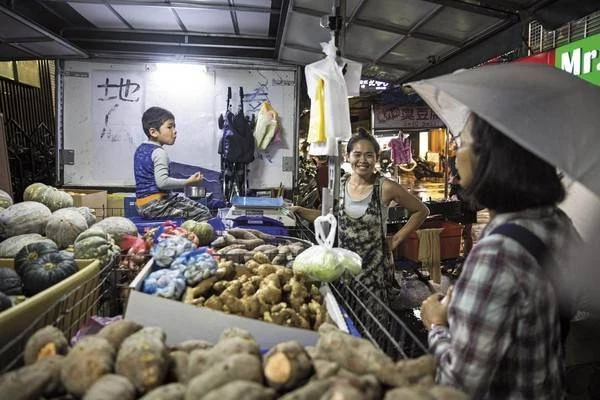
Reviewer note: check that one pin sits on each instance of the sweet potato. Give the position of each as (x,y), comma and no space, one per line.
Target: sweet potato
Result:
(202,360)
(91,358)
(44,342)
(287,365)
(245,367)
(172,391)
(236,332)
(179,367)
(111,386)
(26,383)
(144,359)
(359,356)
(312,390)
(193,344)
(118,331)
(240,390)
(240,233)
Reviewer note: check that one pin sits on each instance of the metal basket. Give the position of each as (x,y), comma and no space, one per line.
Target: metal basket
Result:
(92,296)
(399,335)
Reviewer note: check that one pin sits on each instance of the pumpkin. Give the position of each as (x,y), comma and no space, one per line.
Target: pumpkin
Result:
(88,214)
(32,192)
(25,217)
(48,269)
(203,230)
(96,243)
(33,251)
(117,227)
(5,302)
(50,196)
(10,282)
(11,246)
(55,199)
(5,199)
(65,225)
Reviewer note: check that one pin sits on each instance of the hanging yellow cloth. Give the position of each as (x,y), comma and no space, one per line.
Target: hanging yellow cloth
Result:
(429,252)
(316,127)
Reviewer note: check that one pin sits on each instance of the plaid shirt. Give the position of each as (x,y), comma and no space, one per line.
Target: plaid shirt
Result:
(503,339)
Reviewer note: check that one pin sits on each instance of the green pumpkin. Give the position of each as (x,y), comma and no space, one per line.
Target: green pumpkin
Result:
(33,192)
(33,251)
(45,271)
(10,282)
(203,230)
(95,243)
(5,199)
(25,217)
(65,225)
(11,246)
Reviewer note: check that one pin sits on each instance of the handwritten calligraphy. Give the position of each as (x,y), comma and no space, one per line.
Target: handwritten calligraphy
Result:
(126,88)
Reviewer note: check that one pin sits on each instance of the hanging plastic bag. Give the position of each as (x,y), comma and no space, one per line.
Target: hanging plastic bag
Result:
(324,262)
(267,124)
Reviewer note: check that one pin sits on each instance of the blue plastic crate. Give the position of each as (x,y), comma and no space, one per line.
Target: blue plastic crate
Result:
(129,207)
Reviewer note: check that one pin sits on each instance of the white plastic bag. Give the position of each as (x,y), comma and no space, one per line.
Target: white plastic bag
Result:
(323,262)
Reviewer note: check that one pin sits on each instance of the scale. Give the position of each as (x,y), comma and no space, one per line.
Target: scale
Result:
(258,207)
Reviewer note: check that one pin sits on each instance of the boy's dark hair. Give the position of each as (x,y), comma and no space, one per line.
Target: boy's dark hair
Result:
(362,134)
(154,117)
(507,177)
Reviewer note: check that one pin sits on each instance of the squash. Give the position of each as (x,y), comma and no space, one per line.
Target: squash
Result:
(5,302)
(25,217)
(10,282)
(96,243)
(65,225)
(11,246)
(32,192)
(203,230)
(33,251)
(53,198)
(88,214)
(117,227)
(46,270)
(5,199)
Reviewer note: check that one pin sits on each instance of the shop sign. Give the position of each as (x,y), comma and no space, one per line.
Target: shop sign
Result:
(581,58)
(406,117)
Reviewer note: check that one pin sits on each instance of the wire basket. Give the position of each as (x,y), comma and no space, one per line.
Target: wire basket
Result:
(399,335)
(92,296)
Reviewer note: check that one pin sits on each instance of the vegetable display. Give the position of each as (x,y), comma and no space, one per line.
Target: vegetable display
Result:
(46,270)
(142,366)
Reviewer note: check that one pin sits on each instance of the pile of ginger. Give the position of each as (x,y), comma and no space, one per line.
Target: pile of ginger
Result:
(260,290)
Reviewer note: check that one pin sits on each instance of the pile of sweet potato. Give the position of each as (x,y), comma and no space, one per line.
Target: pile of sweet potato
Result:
(125,361)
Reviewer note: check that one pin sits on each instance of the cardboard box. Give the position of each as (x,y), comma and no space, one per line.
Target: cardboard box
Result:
(116,203)
(66,305)
(94,199)
(183,321)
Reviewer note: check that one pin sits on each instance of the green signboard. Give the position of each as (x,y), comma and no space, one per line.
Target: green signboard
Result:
(581,58)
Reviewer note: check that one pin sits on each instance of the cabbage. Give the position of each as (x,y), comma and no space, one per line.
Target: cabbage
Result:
(319,263)
(351,261)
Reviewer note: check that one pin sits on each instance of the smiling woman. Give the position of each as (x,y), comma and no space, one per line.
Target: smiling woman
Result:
(363,214)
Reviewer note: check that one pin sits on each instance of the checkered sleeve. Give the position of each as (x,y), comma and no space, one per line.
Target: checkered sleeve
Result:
(471,349)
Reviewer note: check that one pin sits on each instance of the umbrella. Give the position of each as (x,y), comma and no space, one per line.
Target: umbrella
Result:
(549,112)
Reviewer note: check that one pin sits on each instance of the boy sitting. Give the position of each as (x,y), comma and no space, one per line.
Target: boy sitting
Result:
(151,169)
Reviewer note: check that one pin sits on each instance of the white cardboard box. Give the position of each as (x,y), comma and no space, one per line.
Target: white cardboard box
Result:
(183,321)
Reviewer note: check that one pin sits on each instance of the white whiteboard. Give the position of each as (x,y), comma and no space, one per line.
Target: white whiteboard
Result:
(104,102)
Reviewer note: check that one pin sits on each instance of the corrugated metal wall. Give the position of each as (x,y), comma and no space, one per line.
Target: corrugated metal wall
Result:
(29,120)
